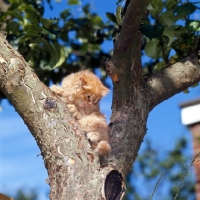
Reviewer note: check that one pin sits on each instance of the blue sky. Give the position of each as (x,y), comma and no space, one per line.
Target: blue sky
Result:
(21,167)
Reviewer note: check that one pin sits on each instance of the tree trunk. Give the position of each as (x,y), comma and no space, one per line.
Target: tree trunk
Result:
(74,171)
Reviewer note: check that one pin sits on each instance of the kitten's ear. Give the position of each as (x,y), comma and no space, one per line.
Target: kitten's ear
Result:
(104,91)
(81,81)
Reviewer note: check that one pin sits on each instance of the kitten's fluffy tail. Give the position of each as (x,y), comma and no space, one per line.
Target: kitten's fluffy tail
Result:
(103,148)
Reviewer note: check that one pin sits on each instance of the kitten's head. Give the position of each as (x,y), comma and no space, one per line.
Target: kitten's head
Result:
(89,89)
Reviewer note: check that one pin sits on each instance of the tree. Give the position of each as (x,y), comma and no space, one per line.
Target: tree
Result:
(168,174)
(152,28)
(30,195)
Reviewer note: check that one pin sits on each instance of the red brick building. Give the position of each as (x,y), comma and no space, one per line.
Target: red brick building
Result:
(190,117)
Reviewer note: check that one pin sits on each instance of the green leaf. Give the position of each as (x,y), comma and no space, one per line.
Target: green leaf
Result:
(173,59)
(65,14)
(35,46)
(151,10)
(47,22)
(57,52)
(86,9)
(192,25)
(15,14)
(145,71)
(111,17)
(160,65)
(179,30)
(153,49)
(168,18)
(37,30)
(157,5)
(31,13)
(95,47)
(119,15)
(170,34)
(152,31)
(13,27)
(16,1)
(195,85)
(170,4)
(185,9)
(96,20)
(29,36)
(73,2)
(48,33)
(186,91)
(33,28)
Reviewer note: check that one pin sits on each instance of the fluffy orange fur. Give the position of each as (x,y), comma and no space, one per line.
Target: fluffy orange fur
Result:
(82,92)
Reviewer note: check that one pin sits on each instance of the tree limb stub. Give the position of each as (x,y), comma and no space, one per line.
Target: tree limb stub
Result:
(111,71)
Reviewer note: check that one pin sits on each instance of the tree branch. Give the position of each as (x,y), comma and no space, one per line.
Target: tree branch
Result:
(131,25)
(128,121)
(125,66)
(173,80)
(63,146)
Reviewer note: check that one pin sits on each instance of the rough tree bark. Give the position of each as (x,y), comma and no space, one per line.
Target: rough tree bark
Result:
(74,171)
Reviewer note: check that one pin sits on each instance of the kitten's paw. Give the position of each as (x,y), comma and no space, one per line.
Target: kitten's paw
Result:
(56,89)
(73,110)
(103,148)
(93,137)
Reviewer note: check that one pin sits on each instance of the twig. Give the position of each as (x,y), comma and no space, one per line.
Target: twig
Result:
(156,185)
(185,174)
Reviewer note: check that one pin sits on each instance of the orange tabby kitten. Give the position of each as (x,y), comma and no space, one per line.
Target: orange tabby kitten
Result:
(82,92)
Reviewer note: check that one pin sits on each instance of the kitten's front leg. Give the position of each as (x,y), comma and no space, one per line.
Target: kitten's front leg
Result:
(58,90)
(97,132)
(73,110)
(99,142)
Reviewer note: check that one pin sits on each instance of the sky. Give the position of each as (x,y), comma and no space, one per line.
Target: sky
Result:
(23,167)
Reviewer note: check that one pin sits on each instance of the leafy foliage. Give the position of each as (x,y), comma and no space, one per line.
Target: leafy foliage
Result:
(56,47)
(22,195)
(170,175)
(171,31)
